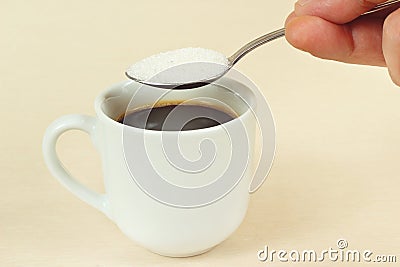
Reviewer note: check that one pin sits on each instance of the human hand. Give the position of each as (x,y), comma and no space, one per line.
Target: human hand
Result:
(332,29)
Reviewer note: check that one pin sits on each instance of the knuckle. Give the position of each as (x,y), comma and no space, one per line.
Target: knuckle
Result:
(367,3)
(391,25)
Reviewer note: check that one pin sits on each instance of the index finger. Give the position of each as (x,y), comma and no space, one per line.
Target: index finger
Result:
(336,11)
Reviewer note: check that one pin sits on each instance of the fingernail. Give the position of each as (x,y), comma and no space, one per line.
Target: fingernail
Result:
(303,2)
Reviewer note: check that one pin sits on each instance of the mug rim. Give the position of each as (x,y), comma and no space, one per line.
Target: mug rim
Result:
(119,87)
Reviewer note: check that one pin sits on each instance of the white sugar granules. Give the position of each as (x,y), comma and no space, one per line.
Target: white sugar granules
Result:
(180,66)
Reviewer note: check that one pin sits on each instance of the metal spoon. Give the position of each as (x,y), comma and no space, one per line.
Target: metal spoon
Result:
(232,60)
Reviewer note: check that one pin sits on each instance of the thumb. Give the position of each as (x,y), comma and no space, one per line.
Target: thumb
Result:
(391,45)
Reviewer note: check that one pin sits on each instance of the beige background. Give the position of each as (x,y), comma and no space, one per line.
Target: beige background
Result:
(336,173)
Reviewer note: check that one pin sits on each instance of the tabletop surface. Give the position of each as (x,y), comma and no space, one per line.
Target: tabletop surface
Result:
(336,171)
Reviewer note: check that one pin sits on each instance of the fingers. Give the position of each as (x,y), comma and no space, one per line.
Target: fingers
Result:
(336,11)
(391,45)
(356,42)
(319,37)
(328,29)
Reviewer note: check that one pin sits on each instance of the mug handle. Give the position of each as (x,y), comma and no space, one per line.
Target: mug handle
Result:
(72,122)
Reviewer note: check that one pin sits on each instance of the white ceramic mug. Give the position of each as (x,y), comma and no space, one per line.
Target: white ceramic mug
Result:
(189,210)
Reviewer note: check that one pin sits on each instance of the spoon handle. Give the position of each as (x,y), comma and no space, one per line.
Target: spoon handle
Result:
(254,44)
(281,32)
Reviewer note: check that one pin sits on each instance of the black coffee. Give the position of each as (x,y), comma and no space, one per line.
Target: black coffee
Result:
(175,117)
